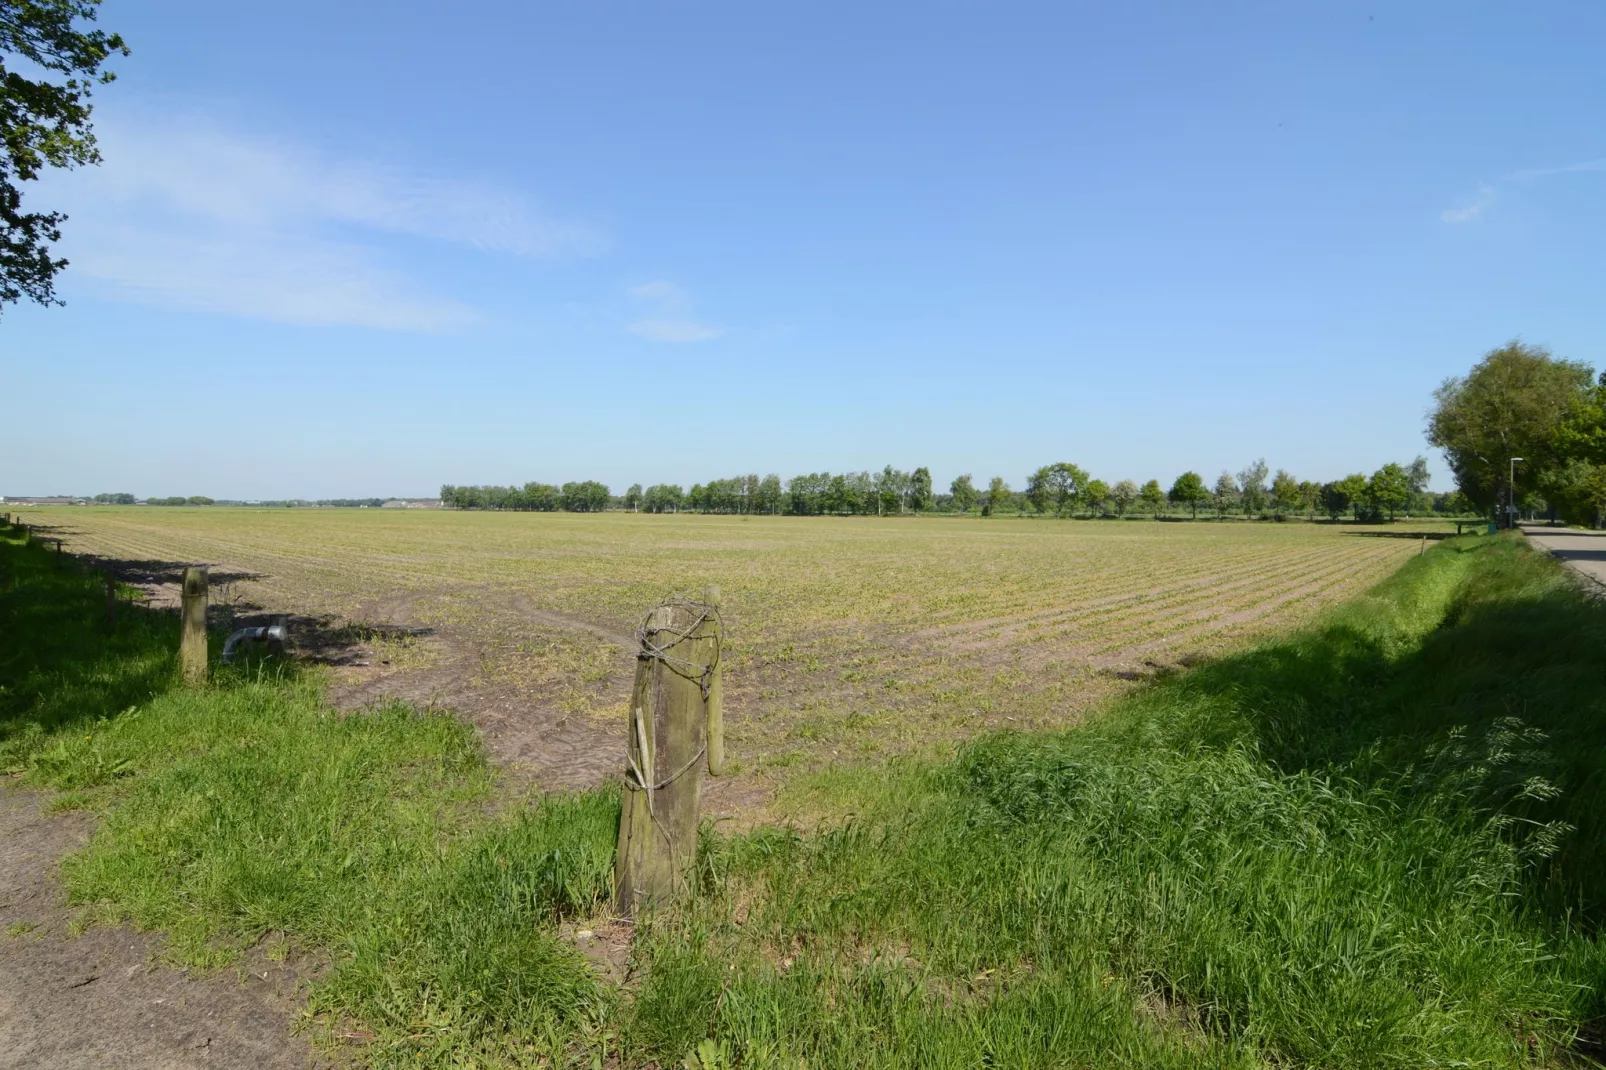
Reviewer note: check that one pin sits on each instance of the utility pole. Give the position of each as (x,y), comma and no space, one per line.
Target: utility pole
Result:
(1511,495)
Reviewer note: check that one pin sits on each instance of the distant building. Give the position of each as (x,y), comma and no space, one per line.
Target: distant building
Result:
(23,499)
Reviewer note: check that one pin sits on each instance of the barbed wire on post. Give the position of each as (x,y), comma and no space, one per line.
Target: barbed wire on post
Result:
(687,669)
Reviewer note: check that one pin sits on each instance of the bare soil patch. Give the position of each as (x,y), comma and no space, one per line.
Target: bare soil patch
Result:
(103,998)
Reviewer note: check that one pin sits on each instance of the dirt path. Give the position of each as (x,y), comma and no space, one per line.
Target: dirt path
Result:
(101,999)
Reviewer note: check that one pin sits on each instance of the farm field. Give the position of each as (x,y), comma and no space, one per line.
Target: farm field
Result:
(1340,845)
(849,639)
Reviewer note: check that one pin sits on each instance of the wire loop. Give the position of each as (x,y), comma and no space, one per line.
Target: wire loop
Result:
(649,638)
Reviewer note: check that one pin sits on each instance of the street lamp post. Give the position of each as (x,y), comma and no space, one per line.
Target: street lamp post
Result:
(1511,495)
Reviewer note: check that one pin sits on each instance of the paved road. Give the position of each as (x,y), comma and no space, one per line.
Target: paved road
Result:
(1583,550)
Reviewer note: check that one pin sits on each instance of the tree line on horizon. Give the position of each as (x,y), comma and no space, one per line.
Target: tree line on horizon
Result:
(1063,489)
(580,497)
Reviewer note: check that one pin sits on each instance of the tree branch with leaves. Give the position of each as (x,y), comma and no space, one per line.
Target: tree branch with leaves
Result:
(44,122)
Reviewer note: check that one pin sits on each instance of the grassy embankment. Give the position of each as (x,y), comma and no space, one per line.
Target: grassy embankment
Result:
(1377,842)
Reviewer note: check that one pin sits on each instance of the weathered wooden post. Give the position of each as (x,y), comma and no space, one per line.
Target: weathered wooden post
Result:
(676,662)
(192,643)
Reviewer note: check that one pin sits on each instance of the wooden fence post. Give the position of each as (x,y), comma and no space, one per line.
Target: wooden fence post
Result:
(192,644)
(111,600)
(667,744)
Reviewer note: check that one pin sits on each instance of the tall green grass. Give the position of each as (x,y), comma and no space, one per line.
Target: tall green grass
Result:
(1374,843)
(1371,844)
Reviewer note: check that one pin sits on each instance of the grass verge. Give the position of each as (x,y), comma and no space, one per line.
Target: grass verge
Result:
(1373,843)
(250,813)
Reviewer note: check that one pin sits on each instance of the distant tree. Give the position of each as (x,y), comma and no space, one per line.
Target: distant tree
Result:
(998,495)
(1039,495)
(542,497)
(890,490)
(964,493)
(44,122)
(115,499)
(662,498)
(1347,494)
(198,499)
(805,495)
(1284,492)
(1123,494)
(1226,493)
(1252,488)
(1334,501)
(838,498)
(587,497)
(1189,490)
(1417,475)
(1095,493)
(1389,488)
(1153,496)
(1057,484)
(769,495)
(920,496)
(1512,404)
(1310,498)
(862,495)
(633,497)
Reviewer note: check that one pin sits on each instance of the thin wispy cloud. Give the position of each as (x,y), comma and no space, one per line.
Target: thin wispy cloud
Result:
(666,294)
(670,321)
(1472,209)
(1487,195)
(1567,169)
(673,331)
(287,278)
(190,213)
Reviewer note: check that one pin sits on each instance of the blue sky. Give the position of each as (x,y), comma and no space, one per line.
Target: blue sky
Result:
(378,247)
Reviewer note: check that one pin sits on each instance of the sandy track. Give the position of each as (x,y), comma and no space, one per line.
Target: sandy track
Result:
(102,999)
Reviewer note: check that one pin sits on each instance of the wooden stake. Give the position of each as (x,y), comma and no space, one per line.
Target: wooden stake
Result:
(111,600)
(666,744)
(192,643)
(716,701)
